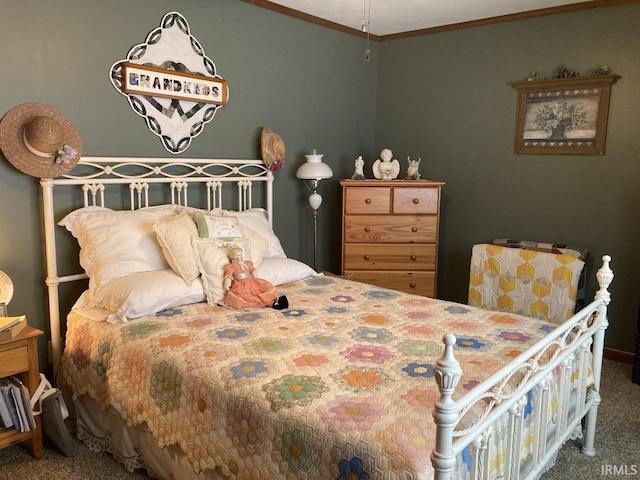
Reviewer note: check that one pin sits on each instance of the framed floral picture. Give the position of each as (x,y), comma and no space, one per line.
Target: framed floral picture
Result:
(563,116)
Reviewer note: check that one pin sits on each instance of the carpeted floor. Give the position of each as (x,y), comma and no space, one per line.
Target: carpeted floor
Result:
(617,446)
(617,436)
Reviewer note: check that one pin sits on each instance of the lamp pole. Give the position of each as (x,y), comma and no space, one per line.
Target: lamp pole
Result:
(315,240)
(315,200)
(311,172)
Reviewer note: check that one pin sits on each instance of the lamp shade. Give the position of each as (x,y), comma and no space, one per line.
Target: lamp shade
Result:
(6,289)
(314,169)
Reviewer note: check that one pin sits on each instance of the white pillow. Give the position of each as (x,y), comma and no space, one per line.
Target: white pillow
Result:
(174,236)
(212,256)
(70,222)
(257,245)
(256,220)
(143,294)
(115,244)
(283,270)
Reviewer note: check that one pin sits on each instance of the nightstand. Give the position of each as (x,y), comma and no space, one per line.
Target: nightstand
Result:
(19,357)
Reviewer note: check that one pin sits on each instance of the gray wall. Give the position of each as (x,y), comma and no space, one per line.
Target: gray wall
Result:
(447,98)
(303,81)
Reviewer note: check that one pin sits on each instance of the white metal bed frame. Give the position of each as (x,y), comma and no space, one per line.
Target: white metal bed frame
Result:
(96,173)
(580,337)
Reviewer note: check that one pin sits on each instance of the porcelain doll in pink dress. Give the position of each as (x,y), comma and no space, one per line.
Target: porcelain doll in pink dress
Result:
(244,289)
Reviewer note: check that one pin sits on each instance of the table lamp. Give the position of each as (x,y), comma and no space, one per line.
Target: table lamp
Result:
(311,172)
(6,292)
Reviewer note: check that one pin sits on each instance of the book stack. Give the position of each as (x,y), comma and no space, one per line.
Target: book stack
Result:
(10,327)
(15,405)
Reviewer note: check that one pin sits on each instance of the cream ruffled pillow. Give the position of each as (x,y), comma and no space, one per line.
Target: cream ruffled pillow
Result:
(212,256)
(174,236)
(115,244)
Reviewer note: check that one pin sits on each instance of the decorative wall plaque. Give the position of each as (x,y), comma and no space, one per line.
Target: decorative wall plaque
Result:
(171,83)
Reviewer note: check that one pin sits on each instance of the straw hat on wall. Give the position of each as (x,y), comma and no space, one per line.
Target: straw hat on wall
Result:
(39,140)
(273,149)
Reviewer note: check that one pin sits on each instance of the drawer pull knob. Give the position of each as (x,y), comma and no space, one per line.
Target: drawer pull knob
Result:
(413,257)
(414,229)
(367,229)
(368,200)
(416,201)
(412,285)
(366,257)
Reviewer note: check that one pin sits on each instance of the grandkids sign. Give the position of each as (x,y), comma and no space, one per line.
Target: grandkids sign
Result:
(170,82)
(158,82)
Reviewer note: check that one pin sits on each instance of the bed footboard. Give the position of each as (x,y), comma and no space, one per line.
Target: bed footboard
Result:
(568,361)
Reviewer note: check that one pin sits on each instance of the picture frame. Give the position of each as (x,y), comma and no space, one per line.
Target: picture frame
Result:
(157,82)
(563,115)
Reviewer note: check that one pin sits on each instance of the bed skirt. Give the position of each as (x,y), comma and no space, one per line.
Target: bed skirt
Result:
(134,447)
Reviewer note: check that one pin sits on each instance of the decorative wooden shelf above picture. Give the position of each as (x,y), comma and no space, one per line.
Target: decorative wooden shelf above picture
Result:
(563,115)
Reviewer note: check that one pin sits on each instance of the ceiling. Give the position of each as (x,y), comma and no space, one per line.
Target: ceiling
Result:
(390,17)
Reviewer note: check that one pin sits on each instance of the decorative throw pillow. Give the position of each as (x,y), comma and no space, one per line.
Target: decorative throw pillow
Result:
(216,226)
(211,257)
(213,226)
(174,236)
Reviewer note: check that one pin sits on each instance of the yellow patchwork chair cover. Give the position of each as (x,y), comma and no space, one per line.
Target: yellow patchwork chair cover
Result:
(526,282)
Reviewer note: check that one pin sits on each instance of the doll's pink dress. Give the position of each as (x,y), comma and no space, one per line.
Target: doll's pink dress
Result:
(246,290)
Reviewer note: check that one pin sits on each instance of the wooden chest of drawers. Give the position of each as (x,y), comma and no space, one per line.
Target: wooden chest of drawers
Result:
(390,233)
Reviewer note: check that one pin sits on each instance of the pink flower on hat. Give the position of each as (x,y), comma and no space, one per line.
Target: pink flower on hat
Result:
(277,165)
(65,154)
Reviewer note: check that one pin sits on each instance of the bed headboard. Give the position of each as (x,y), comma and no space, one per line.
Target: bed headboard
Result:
(213,180)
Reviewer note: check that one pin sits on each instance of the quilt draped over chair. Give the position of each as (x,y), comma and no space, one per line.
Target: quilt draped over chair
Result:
(526,282)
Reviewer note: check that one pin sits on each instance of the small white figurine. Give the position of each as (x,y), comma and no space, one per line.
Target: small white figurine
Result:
(412,169)
(358,174)
(386,169)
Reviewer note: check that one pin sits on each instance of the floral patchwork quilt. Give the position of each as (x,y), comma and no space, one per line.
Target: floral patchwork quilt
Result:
(338,386)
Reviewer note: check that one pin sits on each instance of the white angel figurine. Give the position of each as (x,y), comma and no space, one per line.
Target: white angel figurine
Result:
(358,174)
(384,168)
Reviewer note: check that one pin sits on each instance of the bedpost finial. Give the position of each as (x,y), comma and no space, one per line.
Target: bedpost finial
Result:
(447,368)
(605,277)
